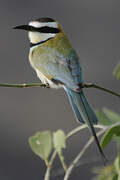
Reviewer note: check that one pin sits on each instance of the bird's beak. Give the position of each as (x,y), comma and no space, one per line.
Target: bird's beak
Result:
(25,27)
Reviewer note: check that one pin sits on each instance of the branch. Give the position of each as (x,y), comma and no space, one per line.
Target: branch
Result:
(92,85)
(85,85)
(78,157)
(24,85)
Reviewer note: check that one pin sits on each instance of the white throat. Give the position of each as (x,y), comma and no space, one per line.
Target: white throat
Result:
(36,37)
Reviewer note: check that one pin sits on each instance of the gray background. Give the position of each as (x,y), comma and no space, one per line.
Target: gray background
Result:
(93,27)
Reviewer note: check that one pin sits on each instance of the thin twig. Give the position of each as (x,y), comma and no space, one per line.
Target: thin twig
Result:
(74,131)
(92,85)
(47,174)
(75,161)
(53,157)
(49,166)
(85,85)
(24,85)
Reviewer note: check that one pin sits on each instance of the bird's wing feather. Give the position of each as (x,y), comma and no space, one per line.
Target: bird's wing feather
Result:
(66,70)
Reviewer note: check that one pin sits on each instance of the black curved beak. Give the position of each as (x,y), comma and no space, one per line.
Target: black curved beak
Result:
(25,27)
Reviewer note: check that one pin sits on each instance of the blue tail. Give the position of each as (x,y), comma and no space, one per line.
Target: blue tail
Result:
(84,113)
(81,107)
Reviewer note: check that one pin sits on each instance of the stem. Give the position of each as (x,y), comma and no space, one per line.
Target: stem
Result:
(47,174)
(74,131)
(85,85)
(49,166)
(61,157)
(52,157)
(92,85)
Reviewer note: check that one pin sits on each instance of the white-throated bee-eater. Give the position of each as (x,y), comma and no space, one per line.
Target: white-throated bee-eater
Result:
(57,65)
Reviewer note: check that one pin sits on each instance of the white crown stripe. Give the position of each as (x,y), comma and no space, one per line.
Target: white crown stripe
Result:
(42,24)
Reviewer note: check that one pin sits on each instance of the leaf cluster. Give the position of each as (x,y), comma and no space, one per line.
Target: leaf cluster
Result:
(43,143)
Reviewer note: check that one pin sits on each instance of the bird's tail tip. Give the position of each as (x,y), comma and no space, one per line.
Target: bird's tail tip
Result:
(105,160)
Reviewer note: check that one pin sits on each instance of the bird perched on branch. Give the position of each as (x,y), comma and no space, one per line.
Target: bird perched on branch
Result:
(57,65)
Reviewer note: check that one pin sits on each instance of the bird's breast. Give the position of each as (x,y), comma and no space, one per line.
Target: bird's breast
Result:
(40,56)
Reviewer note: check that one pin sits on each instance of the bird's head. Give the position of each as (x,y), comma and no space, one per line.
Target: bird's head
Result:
(41,29)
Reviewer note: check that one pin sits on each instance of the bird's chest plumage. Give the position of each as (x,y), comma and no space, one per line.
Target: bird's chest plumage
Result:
(54,50)
(40,57)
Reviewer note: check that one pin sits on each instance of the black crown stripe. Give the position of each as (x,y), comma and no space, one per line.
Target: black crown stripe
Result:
(45,19)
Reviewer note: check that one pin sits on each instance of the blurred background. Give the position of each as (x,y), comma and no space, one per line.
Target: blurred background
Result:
(93,28)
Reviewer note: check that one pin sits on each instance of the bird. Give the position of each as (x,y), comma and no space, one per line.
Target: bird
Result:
(58,65)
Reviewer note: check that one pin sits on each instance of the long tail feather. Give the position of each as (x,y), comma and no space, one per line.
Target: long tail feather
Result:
(84,113)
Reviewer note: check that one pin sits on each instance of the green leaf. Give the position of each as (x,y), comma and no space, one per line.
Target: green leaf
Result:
(41,144)
(114,117)
(59,139)
(116,71)
(117,139)
(117,164)
(114,131)
(106,173)
(107,117)
(103,118)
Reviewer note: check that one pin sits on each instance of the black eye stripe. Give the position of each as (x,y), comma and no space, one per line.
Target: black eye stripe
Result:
(44,29)
(47,29)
